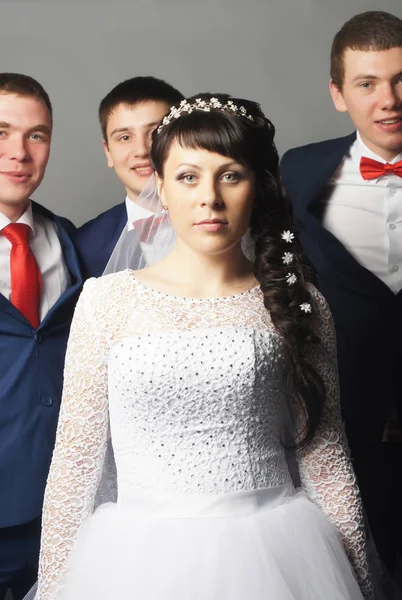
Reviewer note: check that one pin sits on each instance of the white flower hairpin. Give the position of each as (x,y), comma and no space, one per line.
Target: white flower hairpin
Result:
(287,258)
(306,307)
(288,236)
(291,278)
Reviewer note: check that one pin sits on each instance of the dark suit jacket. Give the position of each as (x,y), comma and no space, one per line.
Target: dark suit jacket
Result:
(96,239)
(31,377)
(367,315)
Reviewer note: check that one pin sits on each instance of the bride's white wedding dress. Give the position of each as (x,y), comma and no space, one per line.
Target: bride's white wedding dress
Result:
(191,392)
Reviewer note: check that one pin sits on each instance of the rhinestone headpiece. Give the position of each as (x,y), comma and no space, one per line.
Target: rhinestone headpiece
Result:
(206,106)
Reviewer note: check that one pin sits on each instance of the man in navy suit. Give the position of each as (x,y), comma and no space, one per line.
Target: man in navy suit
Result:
(128,115)
(39,284)
(347,201)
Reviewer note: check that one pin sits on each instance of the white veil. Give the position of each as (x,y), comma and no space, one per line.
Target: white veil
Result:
(146,240)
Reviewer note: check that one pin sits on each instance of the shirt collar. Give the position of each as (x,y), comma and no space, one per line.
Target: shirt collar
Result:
(135,212)
(359,149)
(26,218)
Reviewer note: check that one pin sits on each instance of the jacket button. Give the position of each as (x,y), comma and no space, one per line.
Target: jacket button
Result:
(38,338)
(46,401)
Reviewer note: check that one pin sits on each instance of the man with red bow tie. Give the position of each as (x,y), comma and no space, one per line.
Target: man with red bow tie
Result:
(347,200)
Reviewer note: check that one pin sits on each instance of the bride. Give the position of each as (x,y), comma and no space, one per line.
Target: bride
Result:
(190,366)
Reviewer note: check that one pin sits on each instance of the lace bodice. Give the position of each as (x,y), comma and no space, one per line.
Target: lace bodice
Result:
(192,393)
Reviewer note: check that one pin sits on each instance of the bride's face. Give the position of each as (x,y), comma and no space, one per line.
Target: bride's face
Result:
(209,198)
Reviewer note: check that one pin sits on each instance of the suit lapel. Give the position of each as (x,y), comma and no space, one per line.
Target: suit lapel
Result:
(121,223)
(322,167)
(10,310)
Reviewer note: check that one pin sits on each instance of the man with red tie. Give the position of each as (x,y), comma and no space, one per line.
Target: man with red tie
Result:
(40,281)
(346,195)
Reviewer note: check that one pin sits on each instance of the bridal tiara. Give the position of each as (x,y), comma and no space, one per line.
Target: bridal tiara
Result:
(206,106)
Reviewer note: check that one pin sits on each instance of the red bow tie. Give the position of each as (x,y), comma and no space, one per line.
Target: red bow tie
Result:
(372,169)
(147,228)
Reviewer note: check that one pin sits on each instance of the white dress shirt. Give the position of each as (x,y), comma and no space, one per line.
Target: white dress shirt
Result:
(366,216)
(46,247)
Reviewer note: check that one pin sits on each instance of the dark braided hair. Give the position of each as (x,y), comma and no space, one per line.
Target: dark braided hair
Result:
(251,142)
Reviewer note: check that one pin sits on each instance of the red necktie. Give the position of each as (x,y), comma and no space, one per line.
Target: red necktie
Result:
(26,280)
(147,228)
(372,169)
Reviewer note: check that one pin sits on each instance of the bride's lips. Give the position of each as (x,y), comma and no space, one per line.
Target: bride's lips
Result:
(211,225)
(143,169)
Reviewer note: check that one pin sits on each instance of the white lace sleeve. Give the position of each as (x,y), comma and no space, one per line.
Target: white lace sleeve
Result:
(325,469)
(80,446)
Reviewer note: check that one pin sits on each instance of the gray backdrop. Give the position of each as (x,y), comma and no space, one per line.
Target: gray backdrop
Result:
(272,51)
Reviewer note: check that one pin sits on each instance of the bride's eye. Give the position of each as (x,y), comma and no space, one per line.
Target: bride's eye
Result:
(187,178)
(231,177)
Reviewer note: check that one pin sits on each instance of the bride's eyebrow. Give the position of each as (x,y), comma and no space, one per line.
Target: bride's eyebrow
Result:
(232,163)
(192,165)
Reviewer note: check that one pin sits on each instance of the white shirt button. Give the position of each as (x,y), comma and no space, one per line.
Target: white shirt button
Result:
(392,190)
(392,226)
(394,269)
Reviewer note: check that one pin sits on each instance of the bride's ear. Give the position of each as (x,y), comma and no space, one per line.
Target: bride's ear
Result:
(160,188)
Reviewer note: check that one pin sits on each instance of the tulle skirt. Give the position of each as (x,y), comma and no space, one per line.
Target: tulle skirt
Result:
(271,544)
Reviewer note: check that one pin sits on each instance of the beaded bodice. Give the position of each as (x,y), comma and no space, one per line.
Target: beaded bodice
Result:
(197,409)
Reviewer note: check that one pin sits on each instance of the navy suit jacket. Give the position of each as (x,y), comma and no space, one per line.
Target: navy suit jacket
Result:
(367,314)
(96,239)
(31,377)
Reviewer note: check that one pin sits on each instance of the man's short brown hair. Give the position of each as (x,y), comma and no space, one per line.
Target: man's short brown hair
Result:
(133,91)
(368,31)
(24,85)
